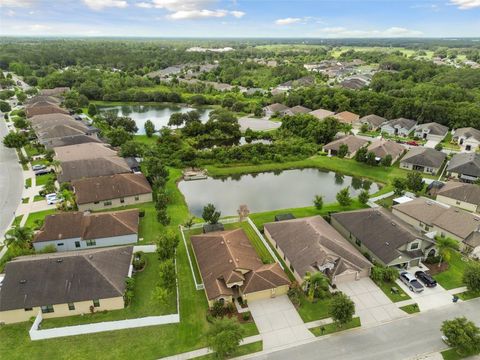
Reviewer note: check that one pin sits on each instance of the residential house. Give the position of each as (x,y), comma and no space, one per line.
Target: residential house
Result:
(70,140)
(64,284)
(58,91)
(42,108)
(346,117)
(230,268)
(443,220)
(87,168)
(372,121)
(297,110)
(354,83)
(398,127)
(353,143)
(387,239)
(42,98)
(297,83)
(80,230)
(431,131)
(310,245)
(83,152)
(459,194)
(464,166)
(382,148)
(423,159)
(321,114)
(468,138)
(105,192)
(275,109)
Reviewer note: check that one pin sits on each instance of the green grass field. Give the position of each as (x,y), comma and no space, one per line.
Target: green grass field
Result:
(453,277)
(386,287)
(333,328)
(411,309)
(43,179)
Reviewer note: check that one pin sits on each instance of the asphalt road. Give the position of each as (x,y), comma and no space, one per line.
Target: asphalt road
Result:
(401,339)
(11,181)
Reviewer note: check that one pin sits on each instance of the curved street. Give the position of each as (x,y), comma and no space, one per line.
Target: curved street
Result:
(11,182)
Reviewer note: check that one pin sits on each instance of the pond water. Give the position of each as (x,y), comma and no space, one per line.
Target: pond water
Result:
(158,114)
(269,191)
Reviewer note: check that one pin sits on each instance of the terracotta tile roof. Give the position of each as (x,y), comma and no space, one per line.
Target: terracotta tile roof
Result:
(311,244)
(66,277)
(229,256)
(87,226)
(110,187)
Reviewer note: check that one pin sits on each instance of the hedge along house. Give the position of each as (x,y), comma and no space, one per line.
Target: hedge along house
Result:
(310,245)
(388,240)
(64,284)
(81,230)
(230,268)
(105,192)
(423,159)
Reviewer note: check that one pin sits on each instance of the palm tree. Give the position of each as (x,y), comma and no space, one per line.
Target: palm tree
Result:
(315,282)
(19,236)
(446,246)
(68,202)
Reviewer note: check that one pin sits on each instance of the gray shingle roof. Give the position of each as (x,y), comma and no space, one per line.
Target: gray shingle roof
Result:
(374,120)
(354,143)
(461,191)
(402,123)
(467,164)
(424,157)
(80,169)
(434,128)
(379,231)
(66,277)
(467,132)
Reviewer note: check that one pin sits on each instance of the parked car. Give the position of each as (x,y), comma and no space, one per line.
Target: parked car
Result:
(412,283)
(412,143)
(42,171)
(38,167)
(52,199)
(426,279)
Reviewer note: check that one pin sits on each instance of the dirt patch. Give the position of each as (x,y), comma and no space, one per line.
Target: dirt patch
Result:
(434,269)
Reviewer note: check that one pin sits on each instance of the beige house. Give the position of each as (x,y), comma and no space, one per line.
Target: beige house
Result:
(64,284)
(382,148)
(352,142)
(106,192)
(464,166)
(372,121)
(468,138)
(387,239)
(423,159)
(431,131)
(443,220)
(230,268)
(310,245)
(459,194)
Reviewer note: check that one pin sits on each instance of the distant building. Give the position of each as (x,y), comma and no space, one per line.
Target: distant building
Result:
(468,138)
(297,110)
(346,117)
(399,127)
(431,131)
(321,114)
(275,109)
(372,121)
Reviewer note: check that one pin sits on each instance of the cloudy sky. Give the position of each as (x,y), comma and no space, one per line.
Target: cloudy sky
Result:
(242,18)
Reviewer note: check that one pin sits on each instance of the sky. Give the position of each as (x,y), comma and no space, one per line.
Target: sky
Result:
(241,18)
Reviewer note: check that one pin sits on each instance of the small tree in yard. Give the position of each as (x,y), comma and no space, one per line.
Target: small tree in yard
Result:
(398,186)
(167,275)
(415,181)
(364,129)
(471,277)
(318,202)
(361,154)
(15,140)
(363,197)
(462,334)
(343,197)
(224,337)
(149,128)
(387,160)
(342,309)
(162,217)
(210,214)
(342,151)
(92,109)
(371,159)
(446,246)
(166,245)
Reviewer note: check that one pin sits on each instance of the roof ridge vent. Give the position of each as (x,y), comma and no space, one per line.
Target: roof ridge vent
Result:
(59,260)
(23,281)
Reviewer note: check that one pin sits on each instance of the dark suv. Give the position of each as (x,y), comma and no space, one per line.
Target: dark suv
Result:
(426,279)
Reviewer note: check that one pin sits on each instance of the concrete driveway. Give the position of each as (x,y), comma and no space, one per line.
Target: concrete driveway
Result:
(371,304)
(278,322)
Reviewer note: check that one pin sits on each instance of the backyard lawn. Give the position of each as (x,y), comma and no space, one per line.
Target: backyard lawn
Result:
(452,278)
(43,179)
(143,303)
(33,217)
(333,327)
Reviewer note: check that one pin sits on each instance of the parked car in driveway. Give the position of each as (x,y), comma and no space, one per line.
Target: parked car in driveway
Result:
(426,279)
(38,167)
(52,199)
(42,171)
(412,283)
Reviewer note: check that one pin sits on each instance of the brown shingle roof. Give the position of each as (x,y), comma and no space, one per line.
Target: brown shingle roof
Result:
(346,117)
(379,231)
(82,169)
(110,187)
(354,143)
(321,113)
(374,120)
(55,91)
(83,152)
(461,191)
(229,256)
(299,110)
(382,148)
(65,277)
(88,226)
(311,243)
(44,107)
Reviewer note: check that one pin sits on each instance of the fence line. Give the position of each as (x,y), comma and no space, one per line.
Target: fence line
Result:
(265,243)
(198,286)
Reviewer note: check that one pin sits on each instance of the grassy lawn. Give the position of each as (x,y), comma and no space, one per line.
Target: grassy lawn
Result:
(31,150)
(43,179)
(40,162)
(452,354)
(38,198)
(387,202)
(242,350)
(386,287)
(410,309)
(269,216)
(17,220)
(143,304)
(144,139)
(452,278)
(311,311)
(28,183)
(333,328)
(25,200)
(38,216)
(468,295)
